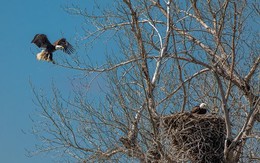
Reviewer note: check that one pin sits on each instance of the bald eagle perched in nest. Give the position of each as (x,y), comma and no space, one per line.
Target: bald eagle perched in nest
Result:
(200,109)
(42,41)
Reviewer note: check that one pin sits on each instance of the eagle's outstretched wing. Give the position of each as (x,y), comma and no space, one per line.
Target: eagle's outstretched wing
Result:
(41,41)
(66,46)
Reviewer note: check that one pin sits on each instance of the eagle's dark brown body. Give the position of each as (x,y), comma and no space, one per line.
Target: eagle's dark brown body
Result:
(199,109)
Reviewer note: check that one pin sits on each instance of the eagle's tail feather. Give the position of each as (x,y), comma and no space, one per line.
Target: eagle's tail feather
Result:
(45,56)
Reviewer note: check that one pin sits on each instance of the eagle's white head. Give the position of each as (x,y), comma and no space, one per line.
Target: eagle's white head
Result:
(203,105)
(59,47)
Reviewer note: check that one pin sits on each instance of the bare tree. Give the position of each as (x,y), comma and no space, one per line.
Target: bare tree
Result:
(169,55)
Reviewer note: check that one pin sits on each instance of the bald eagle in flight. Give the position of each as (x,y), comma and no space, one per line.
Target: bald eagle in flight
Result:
(42,41)
(201,109)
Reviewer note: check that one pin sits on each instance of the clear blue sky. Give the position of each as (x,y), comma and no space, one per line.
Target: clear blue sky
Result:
(19,22)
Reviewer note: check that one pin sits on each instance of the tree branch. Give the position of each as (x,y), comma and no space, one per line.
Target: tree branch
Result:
(252,70)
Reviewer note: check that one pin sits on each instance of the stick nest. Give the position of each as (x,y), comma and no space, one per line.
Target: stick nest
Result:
(194,137)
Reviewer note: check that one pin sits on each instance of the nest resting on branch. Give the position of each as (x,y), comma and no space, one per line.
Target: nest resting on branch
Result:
(194,137)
